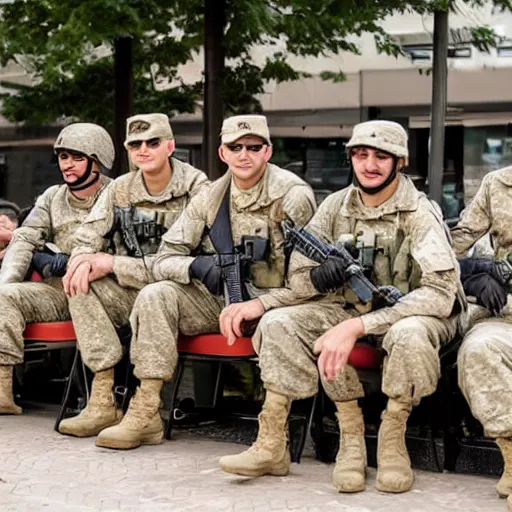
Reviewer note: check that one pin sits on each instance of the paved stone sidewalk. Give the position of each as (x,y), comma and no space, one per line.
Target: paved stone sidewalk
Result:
(41,470)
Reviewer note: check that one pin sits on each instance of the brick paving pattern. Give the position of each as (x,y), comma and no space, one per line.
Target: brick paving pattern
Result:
(41,470)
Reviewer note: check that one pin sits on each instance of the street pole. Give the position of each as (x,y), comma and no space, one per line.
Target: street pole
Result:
(438,109)
(123,93)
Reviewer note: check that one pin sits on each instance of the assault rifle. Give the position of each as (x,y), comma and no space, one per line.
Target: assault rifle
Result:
(316,250)
(233,268)
(124,221)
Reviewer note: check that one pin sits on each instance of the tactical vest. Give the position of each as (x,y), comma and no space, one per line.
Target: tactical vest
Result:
(139,227)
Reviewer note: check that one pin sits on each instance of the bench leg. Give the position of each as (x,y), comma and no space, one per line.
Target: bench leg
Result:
(175,388)
(296,455)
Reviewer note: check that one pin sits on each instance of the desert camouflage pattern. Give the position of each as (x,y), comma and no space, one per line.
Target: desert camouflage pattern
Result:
(279,195)
(90,139)
(96,317)
(164,309)
(485,357)
(109,303)
(162,211)
(55,218)
(387,136)
(147,126)
(236,127)
(412,253)
(488,212)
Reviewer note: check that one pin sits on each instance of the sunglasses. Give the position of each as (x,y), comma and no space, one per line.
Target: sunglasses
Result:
(151,143)
(253,148)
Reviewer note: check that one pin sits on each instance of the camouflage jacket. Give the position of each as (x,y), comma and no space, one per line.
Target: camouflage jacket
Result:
(412,252)
(489,211)
(155,214)
(55,218)
(279,195)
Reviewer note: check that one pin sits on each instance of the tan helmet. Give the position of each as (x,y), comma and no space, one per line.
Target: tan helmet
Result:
(387,136)
(90,139)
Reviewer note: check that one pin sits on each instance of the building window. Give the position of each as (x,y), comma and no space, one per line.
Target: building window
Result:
(425,52)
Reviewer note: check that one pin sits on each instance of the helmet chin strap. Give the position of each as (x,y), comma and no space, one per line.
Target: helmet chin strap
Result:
(375,190)
(80,183)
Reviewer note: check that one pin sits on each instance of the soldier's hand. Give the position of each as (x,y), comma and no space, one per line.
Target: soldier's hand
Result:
(78,282)
(329,275)
(232,317)
(101,263)
(335,345)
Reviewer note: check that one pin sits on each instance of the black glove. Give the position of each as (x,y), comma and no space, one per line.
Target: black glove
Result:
(49,265)
(205,269)
(489,292)
(329,275)
(500,270)
(387,292)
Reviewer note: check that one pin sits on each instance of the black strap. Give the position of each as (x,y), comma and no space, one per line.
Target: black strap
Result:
(220,232)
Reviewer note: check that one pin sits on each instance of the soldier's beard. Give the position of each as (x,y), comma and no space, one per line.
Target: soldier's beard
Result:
(82,183)
(375,190)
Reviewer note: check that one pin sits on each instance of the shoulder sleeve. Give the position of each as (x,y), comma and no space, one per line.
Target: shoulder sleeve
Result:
(30,237)
(173,259)
(475,220)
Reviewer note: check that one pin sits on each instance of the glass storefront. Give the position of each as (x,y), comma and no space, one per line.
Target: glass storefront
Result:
(320,162)
(486,148)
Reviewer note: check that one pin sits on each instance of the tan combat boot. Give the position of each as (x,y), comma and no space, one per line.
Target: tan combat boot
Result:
(100,412)
(504,486)
(142,423)
(394,473)
(269,454)
(7,405)
(349,473)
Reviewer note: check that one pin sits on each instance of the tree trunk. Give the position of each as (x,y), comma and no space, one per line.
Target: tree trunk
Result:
(123,69)
(213,110)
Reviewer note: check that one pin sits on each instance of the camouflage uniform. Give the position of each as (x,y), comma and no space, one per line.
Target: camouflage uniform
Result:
(180,304)
(54,219)
(484,373)
(411,252)
(186,305)
(95,322)
(133,221)
(485,357)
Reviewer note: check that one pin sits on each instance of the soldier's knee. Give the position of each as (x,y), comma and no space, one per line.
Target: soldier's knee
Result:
(405,333)
(10,294)
(265,332)
(481,342)
(158,293)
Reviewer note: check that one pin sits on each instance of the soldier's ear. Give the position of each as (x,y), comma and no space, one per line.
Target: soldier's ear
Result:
(171,146)
(221,154)
(268,153)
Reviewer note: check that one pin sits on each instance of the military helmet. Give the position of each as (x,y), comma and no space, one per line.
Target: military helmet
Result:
(90,139)
(387,136)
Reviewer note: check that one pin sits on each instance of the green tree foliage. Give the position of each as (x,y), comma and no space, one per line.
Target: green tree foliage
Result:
(68,44)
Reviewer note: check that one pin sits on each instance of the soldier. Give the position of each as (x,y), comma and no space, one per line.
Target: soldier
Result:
(407,247)
(485,357)
(245,206)
(135,212)
(9,220)
(83,151)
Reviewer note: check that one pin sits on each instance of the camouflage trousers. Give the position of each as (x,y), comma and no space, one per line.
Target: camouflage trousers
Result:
(485,374)
(24,303)
(162,311)
(285,339)
(95,318)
